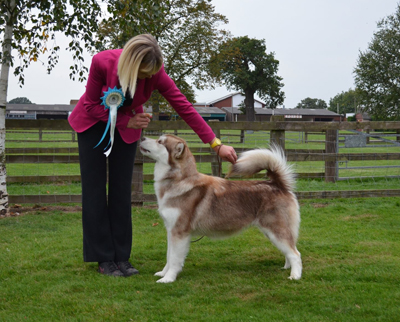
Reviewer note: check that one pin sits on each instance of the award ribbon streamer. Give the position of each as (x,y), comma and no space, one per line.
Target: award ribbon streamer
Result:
(112,100)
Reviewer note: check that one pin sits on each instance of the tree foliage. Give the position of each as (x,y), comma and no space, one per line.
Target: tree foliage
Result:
(29,29)
(20,100)
(187,31)
(346,101)
(243,64)
(35,25)
(377,73)
(312,103)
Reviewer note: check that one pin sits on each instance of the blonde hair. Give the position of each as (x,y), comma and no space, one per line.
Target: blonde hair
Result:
(141,53)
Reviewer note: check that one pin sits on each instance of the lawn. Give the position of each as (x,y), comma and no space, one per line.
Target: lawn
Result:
(349,247)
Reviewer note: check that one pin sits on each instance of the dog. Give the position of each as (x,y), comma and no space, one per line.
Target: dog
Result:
(192,203)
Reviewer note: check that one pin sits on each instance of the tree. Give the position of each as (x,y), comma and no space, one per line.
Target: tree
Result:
(242,107)
(346,102)
(29,27)
(187,31)
(377,73)
(312,103)
(20,100)
(243,64)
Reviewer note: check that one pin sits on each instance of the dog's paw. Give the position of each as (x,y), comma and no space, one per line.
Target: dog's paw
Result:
(287,264)
(166,280)
(161,274)
(294,277)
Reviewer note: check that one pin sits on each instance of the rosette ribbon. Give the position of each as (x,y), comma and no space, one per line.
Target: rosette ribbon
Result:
(112,100)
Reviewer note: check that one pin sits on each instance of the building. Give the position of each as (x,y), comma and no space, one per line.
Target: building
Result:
(211,111)
(58,111)
(208,113)
(38,111)
(363,117)
(233,114)
(232,100)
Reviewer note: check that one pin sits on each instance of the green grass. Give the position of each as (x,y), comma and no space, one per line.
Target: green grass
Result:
(42,169)
(74,188)
(29,139)
(349,248)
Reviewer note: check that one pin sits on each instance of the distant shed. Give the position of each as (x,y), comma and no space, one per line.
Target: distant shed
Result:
(233,114)
(38,111)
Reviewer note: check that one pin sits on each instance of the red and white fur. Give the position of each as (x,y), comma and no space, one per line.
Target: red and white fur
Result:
(192,203)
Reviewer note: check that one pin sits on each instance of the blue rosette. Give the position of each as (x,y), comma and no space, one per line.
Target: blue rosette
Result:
(112,100)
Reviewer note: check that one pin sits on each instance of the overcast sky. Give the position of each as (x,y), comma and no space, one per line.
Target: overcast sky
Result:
(317,43)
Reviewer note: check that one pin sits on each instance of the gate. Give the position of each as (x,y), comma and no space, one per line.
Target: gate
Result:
(359,139)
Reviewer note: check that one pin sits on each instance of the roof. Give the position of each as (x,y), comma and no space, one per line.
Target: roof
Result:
(231,95)
(209,110)
(284,111)
(69,108)
(199,109)
(40,107)
(224,97)
(200,104)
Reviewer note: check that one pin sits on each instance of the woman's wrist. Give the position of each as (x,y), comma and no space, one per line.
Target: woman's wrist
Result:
(215,143)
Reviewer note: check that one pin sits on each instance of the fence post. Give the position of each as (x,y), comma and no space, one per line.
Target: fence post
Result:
(137,180)
(331,146)
(40,135)
(398,135)
(241,136)
(215,168)
(278,136)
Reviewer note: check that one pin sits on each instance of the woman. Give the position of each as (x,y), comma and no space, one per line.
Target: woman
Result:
(137,70)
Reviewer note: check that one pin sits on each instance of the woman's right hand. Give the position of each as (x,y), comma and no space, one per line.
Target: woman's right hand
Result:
(139,121)
(226,152)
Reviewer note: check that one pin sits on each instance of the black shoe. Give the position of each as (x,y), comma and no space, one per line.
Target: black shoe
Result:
(110,269)
(127,269)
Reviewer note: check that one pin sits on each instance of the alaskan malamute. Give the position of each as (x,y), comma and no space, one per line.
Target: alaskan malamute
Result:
(192,203)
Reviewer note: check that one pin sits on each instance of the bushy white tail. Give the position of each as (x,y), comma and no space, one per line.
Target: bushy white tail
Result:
(273,160)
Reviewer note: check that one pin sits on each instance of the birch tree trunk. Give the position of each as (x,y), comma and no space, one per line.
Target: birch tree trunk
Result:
(5,68)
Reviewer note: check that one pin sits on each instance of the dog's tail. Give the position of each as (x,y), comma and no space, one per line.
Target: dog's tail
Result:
(273,160)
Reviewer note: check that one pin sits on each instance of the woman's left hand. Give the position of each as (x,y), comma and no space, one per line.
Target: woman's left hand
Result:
(226,152)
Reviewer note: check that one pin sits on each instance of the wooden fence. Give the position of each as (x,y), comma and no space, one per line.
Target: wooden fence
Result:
(277,128)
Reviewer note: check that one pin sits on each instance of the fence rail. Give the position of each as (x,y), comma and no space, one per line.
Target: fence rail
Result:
(277,128)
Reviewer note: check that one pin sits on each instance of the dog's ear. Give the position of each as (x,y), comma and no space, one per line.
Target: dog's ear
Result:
(178,151)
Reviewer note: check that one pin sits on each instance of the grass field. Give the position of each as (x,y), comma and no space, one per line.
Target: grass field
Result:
(349,249)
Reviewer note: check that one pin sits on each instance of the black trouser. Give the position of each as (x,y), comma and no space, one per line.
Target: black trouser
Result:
(107,222)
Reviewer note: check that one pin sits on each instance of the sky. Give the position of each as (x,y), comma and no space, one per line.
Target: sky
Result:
(317,44)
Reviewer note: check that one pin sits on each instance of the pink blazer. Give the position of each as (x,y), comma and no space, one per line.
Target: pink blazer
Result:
(103,75)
